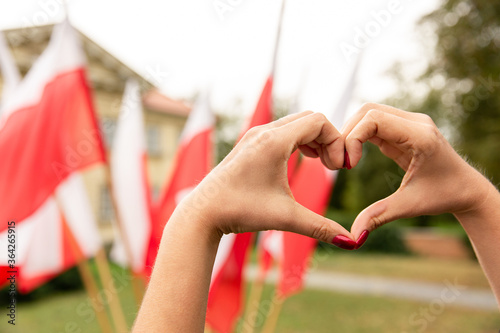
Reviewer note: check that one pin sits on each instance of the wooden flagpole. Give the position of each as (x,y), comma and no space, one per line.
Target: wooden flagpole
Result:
(253,302)
(258,284)
(138,285)
(108,284)
(88,279)
(272,317)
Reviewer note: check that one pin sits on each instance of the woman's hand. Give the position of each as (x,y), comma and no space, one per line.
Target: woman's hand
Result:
(437,179)
(249,191)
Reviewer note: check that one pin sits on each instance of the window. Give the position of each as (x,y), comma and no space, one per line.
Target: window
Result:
(108,129)
(106,212)
(153,140)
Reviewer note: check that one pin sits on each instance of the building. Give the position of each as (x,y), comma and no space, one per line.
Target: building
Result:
(164,118)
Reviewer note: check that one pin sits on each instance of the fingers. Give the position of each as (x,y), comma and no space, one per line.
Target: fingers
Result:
(381,127)
(316,132)
(401,204)
(308,223)
(351,123)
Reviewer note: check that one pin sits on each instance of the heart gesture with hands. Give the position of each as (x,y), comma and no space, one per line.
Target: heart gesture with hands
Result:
(252,186)
(249,191)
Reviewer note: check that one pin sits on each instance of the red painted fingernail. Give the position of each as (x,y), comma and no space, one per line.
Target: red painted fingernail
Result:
(362,239)
(344,242)
(347,161)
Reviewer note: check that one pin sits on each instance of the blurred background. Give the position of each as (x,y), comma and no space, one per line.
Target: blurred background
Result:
(439,57)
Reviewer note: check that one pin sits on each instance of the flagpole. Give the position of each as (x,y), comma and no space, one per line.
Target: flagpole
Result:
(278,38)
(258,284)
(272,317)
(88,279)
(254,300)
(108,284)
(138,286)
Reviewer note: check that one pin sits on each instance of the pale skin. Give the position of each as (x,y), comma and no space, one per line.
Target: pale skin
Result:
(249,191)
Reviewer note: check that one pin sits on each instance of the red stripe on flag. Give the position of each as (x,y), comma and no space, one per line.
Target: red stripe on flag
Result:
(43,143)
(225,295)
(192,165)
(311,187)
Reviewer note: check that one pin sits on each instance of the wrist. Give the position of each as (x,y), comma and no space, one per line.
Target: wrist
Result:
(196,218)
(483,195)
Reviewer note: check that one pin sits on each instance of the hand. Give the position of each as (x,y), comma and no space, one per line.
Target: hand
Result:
(437,179)
(249,191)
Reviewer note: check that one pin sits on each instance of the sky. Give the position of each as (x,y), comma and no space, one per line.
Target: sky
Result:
(228,45)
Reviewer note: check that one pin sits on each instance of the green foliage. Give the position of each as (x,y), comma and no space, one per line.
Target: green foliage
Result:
(374,178)
(67,281)
(463,79)
(387,239)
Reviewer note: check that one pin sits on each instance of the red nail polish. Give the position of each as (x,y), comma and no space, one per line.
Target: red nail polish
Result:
(344,242)
(362,239)
(347,161)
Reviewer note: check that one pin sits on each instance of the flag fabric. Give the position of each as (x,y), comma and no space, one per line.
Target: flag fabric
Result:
(42,247)
(131,189)
(193,161)
(48,133)
(226,286)
(311,184)
(48,128)
(63,232)
(10,72)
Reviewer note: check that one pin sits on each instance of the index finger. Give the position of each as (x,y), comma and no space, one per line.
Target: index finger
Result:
(316,128)
(356,118)
(391,128)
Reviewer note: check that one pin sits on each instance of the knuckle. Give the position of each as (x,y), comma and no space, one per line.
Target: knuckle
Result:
(265,137)
(321,232)
(377,222)
(425,118)
(253,132)
(366,107)
(430,139)
(374,114)
(319,117)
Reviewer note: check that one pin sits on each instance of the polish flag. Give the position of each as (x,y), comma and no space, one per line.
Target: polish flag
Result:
(226,287)
(193,161)
(311,184)
(10,73)
(61,233)
(48,129)
(11,78)
(131,189)
(49,133)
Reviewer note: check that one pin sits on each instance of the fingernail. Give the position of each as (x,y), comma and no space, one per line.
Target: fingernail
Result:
(344,242)
(362,239)
(347,161)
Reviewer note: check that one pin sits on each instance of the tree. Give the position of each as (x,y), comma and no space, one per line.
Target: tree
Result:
(464,79)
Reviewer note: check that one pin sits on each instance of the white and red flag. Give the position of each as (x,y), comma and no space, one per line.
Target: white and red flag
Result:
(48,128)
(311,184)
(48,135)
(226,287)
(194,160)
(131,189)
(10,72)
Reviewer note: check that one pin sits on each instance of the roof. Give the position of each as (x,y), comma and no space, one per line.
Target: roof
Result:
(105,71)
(156,101)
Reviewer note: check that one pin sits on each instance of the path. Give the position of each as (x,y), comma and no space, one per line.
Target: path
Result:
(449,292)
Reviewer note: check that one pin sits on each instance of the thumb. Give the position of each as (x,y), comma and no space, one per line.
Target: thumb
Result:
(400,204)
(308,223)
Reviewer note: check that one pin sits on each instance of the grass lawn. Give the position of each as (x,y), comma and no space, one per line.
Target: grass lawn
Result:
(316,311)
(309,311)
